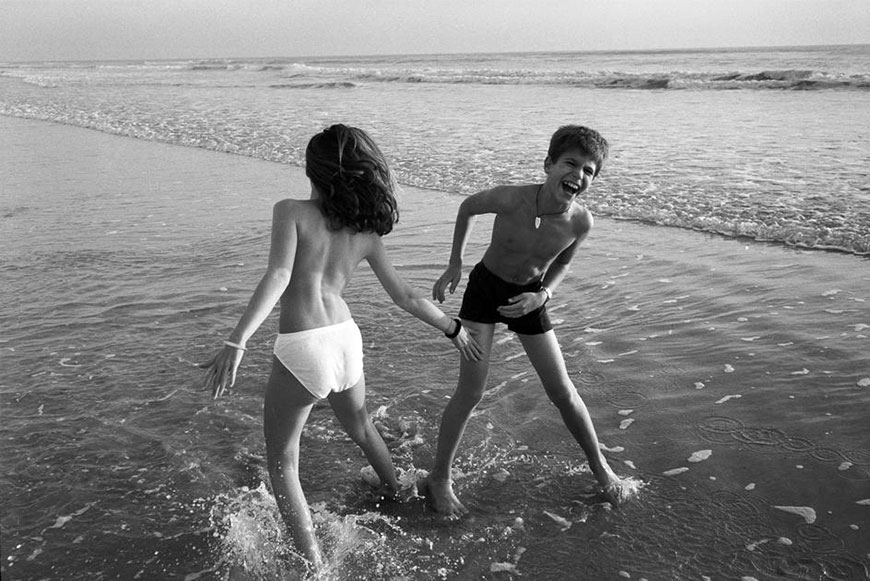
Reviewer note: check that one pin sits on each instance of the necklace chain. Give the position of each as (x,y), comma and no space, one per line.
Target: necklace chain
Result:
(539,214)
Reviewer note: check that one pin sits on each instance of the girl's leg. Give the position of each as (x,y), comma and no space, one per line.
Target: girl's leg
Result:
(285,411)
(350,409)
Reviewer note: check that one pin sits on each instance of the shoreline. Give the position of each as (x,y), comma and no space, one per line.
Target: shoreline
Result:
(299,182)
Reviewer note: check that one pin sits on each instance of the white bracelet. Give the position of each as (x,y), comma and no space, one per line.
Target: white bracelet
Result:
(548,292)
(234,345)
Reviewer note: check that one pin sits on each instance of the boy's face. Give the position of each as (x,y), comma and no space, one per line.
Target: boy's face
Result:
(572,173)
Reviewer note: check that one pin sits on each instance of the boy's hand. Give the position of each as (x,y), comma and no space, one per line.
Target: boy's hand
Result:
(222,370)
(522,304)
(451,278)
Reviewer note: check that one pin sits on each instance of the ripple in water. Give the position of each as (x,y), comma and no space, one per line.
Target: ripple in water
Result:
(627,399)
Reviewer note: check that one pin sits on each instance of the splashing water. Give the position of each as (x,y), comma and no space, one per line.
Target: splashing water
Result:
(254,543)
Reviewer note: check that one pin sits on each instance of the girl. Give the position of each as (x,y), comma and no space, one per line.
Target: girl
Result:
(316,246)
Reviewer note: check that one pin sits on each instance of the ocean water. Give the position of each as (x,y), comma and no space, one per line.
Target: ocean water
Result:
(716,321)
(770,144)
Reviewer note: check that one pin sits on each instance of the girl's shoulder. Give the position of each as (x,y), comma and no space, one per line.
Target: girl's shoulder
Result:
(294,210)
(293,204)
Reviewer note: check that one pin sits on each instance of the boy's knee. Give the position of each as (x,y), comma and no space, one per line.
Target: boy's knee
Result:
(565,398)
(468,397)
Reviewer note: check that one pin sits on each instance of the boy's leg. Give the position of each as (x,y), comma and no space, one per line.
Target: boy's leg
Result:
(469,391)
(285,411)
(350,409)
(546,357)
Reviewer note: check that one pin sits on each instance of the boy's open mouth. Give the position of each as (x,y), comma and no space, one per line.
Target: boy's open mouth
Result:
(570,187)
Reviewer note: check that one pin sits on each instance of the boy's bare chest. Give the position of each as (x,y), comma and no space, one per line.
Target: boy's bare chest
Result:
(512,236)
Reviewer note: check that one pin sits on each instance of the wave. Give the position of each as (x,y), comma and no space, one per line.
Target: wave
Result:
(787,79)
(342,75)
(324,85)
(565,72)
(771,79)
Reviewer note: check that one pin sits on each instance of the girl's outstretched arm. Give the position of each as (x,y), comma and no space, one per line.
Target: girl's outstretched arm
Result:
(223,366)
(415,302)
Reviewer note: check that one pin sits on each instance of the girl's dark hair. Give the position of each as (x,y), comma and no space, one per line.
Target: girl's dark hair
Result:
(354,180)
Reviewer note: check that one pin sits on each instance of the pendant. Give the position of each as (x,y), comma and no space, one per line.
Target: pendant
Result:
(537,222)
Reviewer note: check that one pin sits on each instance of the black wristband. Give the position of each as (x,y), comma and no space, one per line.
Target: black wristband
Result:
(455,331)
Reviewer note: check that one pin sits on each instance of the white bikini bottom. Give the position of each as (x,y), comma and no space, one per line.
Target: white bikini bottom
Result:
(324,360)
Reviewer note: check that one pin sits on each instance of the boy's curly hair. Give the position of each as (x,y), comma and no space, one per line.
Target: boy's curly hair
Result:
(587,140)
(355,183)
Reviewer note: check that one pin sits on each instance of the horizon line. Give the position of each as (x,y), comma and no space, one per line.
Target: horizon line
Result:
(433,54)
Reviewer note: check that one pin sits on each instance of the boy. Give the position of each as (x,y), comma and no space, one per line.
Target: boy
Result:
(536,232)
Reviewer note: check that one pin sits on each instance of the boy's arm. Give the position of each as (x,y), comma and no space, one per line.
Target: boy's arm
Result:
(282,253)
(484,202)
(559,268)
(526,302)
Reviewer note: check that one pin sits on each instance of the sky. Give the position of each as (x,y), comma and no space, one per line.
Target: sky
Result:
(167,29)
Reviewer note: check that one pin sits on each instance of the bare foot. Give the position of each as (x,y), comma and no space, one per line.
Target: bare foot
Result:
(604,474)
(440,495)
(614,489)
(611,493)
(621,490)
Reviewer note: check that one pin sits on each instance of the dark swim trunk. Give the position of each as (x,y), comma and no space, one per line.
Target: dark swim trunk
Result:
(486,292)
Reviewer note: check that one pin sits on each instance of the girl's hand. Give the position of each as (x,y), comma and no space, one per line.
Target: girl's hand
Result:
(467,345)
(222,370)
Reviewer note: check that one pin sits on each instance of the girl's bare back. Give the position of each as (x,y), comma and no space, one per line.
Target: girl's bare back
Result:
(323,264)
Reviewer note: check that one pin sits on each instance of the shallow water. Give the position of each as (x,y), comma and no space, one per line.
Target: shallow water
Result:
(729,376)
